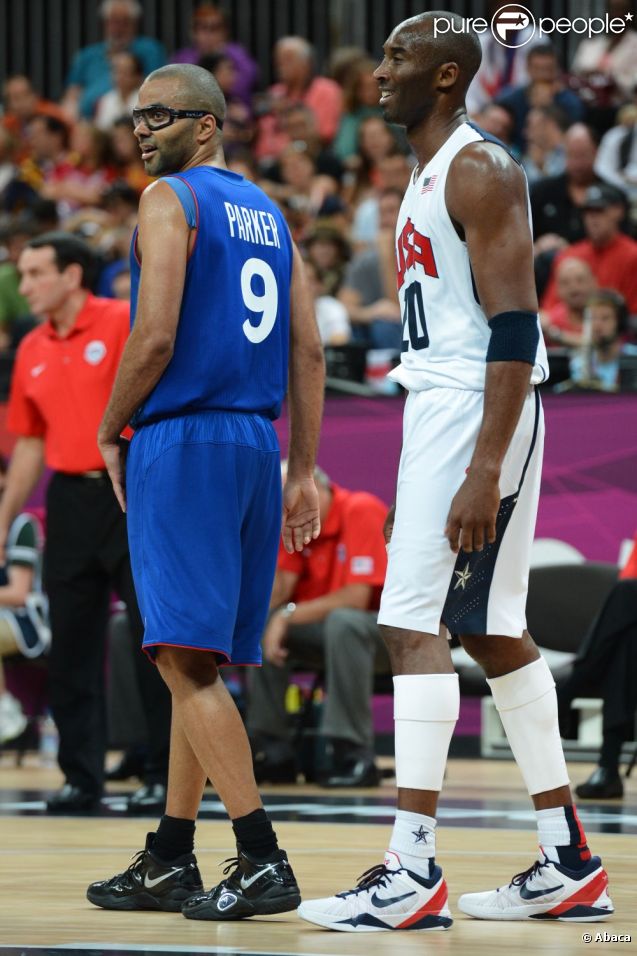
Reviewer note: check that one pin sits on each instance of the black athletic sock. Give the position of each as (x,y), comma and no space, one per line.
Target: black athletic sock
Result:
(255,834)
(174,838)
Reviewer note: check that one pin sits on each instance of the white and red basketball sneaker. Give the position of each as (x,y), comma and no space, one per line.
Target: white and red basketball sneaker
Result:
(387,897)
(546,891)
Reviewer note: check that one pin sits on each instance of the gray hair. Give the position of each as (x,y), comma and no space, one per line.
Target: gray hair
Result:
(134,7)
(299,45)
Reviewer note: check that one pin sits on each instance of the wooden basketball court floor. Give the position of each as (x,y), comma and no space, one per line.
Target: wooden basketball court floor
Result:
(486,835)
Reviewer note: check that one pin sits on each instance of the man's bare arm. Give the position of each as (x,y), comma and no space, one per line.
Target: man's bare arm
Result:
(486,198)
(305,409)
(163,239)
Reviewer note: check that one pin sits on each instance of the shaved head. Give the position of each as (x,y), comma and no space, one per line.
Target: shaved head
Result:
(194,88)
(459,45)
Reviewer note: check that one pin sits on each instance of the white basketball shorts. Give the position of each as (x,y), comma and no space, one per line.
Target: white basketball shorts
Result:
(479,593)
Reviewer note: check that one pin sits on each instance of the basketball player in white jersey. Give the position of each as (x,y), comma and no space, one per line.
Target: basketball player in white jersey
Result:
(466,502)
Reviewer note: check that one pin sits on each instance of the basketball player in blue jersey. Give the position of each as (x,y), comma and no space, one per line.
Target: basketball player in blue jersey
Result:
(466,502)
(218,296)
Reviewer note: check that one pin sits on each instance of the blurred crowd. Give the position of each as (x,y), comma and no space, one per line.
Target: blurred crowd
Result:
(316,142)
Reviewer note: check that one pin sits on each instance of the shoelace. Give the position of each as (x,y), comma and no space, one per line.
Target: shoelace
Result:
(233,863)
(136,865)
(376,876)
(529,874)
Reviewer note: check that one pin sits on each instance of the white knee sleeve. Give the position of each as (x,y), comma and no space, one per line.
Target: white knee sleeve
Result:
(425,713)
(527,704)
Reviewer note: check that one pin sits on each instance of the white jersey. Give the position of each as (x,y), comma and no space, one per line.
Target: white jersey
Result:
(445,330)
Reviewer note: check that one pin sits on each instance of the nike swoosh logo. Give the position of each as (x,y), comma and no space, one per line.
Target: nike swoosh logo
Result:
(246,883)
(534,894)
(37,370)
(392,899)
(150,883)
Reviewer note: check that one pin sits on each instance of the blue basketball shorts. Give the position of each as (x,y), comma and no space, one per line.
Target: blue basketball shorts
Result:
(204,519)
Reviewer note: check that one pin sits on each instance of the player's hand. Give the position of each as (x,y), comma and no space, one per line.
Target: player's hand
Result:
(112,454)
(301,522)
(388,527)
(274,640)
(474,509)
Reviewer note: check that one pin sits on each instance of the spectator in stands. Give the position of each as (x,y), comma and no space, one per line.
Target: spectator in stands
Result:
(327,248)
(127,77)
(126,155)
(23,611)
(90,73)
(544,155)
(85,175)
(605,667)
(21,104)
(393,173)
(497,121)
(616,160)
(48,157)
(8,168)
(610,55)
(303,193)
(331,315)
(324,609)
(501,67)
(238,124)
(297,82)
(556,202)
(596,363)
(544,88)
(360,101)
(563,323)
(299,122)
(209,32)
(62,378)
(611,255)
(13,306)
(375,143)
(369,287)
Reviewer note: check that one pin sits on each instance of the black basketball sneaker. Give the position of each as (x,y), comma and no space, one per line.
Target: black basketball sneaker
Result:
(149,884)
(252,889)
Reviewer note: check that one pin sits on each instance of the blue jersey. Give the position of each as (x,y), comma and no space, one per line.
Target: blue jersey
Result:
(231,348)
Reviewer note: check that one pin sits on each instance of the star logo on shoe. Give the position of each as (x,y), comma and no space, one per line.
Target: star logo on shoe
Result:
(381,903)
(527,894)
(150,882)
(463,577)
(226,900)
(420,834)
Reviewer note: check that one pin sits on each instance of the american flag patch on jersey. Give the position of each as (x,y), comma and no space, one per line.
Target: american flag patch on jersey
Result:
(428,184)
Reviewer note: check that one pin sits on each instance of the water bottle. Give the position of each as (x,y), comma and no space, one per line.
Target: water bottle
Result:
(49,741)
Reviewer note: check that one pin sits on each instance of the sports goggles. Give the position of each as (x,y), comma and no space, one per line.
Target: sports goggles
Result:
(158,117)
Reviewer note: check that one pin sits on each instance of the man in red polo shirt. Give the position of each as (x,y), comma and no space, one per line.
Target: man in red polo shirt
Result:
(325,604)
(62,380)
(611,255)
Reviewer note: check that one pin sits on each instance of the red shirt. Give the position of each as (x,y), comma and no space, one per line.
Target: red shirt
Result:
(614,266)
(350,550)
(60,386)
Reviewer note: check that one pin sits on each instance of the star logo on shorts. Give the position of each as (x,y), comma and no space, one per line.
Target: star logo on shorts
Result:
(420,834)
(463,577)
